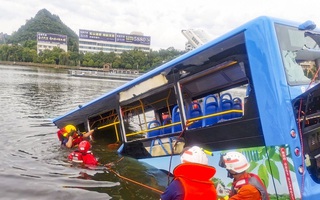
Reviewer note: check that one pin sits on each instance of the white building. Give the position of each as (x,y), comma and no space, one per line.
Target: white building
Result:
(96,41)
(195,37)
(50,40)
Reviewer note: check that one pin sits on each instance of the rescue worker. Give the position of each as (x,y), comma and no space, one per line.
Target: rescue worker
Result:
(69,136)
(83,154)
(245,186)
(192,178)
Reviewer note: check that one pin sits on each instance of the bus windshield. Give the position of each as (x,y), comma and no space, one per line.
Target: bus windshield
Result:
(300,53)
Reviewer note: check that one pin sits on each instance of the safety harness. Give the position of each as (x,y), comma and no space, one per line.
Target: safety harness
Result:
(253,180)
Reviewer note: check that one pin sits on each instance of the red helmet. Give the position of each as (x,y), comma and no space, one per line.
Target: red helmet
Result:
(84,146)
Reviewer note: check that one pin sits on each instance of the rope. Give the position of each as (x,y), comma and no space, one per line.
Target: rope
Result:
(301,142)
(109,165)
(174,146)
(135,182)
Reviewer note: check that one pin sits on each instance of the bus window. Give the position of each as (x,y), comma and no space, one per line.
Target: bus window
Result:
(294,70)
(300,54)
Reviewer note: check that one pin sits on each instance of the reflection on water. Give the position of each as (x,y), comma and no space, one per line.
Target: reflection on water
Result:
(34,166)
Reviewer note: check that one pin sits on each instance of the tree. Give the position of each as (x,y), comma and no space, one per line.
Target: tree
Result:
(28,54)
(4,52)
(74,58)
(31,44)
(15,53)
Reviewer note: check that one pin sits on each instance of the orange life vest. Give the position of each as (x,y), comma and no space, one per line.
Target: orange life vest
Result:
(195,179)
(250,179)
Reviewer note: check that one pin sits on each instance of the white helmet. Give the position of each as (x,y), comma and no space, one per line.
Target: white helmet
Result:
(236,162)
(194,155)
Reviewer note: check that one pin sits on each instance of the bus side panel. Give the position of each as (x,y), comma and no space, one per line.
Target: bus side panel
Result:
(272,164)
(271,88)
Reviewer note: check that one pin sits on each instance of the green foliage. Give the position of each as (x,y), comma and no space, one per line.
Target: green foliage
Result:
(276,157)
(273,169)
(28,55)
(263,174)
(280,197)
(44,22)
(31,44)
(269,167)
(216,181)
(252,166)
(11,53)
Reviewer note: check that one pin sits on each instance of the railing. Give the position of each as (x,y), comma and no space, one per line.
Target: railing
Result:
(189,120)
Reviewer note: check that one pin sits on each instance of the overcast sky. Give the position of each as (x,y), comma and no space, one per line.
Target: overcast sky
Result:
(163,20)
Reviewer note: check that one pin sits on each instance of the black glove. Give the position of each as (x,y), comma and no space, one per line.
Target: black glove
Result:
(70,134)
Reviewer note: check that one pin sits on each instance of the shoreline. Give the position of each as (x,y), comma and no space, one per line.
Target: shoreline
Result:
(37,65)
(88,72)
(48,65)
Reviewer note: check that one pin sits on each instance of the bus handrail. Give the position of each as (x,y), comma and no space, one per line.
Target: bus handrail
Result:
(189,120)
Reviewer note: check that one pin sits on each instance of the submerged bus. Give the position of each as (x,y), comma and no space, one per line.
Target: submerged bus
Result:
(253,90)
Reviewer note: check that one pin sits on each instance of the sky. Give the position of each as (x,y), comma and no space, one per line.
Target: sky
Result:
(163,20)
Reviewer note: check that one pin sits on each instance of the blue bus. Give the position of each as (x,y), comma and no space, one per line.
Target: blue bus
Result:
(254,90)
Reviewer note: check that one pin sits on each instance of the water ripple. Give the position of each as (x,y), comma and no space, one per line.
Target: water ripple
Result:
(34,166)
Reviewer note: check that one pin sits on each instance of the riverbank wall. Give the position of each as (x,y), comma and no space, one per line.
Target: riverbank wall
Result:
(48,65)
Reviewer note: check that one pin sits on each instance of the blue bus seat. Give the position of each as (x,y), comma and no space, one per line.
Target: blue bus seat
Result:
(194,112)
(166,130)
(237,105)
(154,133)
(159,142)
(151,125)
(248,90)
(210,107)
(176,118)
(226,104)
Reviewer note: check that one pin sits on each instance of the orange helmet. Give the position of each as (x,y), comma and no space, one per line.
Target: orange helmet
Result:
(84,146)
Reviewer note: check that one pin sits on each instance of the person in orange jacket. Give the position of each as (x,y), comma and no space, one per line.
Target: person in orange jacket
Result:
(192,178)
(245,186)
(69,136)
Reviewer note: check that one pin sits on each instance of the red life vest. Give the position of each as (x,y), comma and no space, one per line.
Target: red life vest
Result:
(195,179)
(253,180)
(85,158)
(76,139)
(89,159)
(76,157)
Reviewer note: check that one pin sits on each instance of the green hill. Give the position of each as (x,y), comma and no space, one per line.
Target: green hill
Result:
(44,22)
